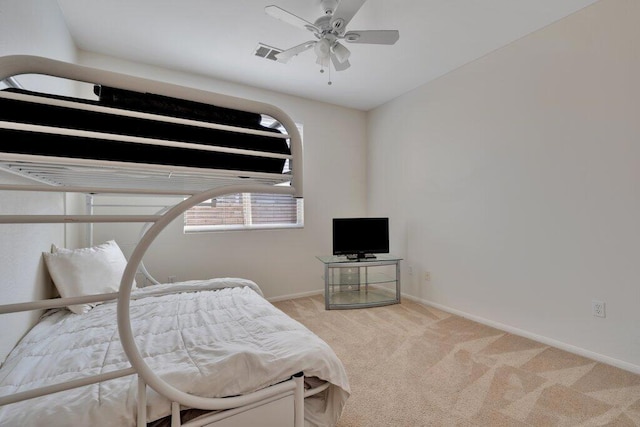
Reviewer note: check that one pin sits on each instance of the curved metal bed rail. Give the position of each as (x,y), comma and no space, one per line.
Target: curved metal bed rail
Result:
(124,320)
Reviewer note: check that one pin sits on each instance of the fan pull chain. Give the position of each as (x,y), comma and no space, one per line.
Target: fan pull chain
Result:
(322,71)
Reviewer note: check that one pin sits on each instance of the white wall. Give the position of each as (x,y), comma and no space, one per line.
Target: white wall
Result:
(32,27)
(514,181)
(282,262)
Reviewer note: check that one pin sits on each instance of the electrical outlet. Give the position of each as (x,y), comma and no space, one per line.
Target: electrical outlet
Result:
(598,308)
(171,279)
(427,276)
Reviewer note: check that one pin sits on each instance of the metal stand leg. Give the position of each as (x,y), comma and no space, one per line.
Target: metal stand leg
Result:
(366,280)
(326,287)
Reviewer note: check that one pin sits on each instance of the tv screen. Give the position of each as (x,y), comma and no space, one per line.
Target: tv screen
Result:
(360,236)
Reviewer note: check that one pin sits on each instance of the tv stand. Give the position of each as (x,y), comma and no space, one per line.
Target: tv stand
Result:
(354,282)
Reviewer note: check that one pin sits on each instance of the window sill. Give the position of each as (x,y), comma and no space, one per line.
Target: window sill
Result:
(190,229)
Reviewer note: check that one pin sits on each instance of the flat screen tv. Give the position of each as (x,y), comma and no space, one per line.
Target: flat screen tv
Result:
(360,237)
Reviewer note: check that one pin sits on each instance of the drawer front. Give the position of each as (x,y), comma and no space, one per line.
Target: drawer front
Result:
(279,413)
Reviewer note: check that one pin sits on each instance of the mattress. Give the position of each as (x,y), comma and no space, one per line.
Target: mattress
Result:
(141,136)
(213,338)
(47,125)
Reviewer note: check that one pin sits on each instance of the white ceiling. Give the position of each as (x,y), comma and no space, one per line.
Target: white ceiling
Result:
(217,38)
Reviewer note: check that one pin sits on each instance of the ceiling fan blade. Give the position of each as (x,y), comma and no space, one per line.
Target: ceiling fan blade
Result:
(286,55)
(290,18)
(345,11)
(339,66)
(372,36)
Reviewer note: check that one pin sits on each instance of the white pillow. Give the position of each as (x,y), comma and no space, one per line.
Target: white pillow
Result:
(86,271)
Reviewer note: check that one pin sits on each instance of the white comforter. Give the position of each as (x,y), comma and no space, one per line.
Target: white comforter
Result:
(211,343)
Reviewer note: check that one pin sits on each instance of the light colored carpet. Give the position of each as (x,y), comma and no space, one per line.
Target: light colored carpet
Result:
(409,365)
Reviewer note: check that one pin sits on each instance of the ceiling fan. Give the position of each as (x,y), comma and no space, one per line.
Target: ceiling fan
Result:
(329,30)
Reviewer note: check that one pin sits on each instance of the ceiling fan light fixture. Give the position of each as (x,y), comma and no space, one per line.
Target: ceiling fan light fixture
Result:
(322,48)
(342,53)
(323,61)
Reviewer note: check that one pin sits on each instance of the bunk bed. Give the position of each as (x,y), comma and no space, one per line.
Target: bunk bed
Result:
(144,137)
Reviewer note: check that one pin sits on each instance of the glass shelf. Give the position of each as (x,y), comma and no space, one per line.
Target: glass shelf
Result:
(340,277)
(342,259)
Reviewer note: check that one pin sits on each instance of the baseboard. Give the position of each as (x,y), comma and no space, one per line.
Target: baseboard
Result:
(526,334)
(294,296)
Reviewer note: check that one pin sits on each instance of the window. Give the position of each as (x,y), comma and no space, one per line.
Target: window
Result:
(246,211)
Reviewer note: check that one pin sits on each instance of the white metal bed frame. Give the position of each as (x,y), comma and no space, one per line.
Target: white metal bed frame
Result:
(61,174)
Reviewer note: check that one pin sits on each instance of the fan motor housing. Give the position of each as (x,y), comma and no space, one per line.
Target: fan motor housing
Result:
(324,23)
